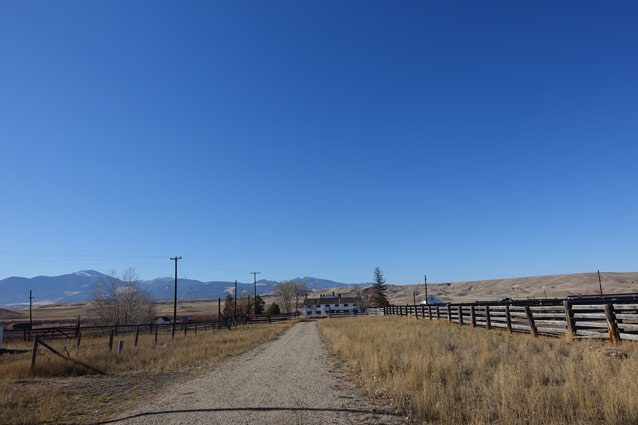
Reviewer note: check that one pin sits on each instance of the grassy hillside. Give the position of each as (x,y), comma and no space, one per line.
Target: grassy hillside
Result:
(552,286)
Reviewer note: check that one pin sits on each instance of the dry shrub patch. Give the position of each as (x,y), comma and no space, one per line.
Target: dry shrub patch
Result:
(435,372)
(58,391)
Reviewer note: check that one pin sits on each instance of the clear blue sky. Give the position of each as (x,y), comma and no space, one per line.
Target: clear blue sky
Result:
(465,140)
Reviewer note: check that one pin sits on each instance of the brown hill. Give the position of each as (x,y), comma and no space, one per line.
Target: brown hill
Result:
(6,314)
(552,286)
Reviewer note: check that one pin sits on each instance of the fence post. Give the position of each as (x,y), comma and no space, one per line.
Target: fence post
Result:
(120,346)
(438,313)
(472,316)
(416,311)
(185,328)
(111,341)
(137,334)
(461,315)
(35,350)
(508,319)
(569,318)
(77,344)
(448,309)
(530,319)
(430,312)
(612,324)
(156,334)
(488,319)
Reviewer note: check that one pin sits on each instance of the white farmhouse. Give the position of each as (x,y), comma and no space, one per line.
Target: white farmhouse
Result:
(327,305)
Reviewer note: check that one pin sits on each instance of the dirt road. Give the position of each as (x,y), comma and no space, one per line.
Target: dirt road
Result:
(287,381)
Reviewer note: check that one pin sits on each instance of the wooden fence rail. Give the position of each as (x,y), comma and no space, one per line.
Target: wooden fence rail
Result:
(75,331)
(613,319)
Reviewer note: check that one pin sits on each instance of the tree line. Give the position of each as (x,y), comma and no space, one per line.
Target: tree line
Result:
(121,300)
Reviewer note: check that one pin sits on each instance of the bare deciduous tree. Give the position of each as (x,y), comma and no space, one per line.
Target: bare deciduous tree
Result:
(362,297)
(300,291)
(286,292)
(122,301)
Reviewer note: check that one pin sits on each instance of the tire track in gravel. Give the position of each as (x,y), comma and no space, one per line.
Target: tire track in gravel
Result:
(286,381)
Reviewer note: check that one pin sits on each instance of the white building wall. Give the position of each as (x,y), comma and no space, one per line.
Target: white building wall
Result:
(329,307)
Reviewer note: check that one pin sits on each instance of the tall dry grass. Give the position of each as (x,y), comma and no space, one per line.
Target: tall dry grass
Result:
(59,391)
(441,373)
(168,354)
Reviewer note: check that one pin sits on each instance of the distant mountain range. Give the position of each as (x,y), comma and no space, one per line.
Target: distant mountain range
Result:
(74,287)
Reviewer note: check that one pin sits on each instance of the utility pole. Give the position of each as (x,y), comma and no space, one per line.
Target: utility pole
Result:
(30,307)
(600,285)
(255,276)
(176,258)
(425,284)
(414,296)
(235,296)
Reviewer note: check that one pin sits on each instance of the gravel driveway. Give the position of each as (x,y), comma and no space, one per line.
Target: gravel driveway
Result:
(286,381)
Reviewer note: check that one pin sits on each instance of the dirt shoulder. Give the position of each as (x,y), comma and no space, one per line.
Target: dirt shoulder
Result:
(287,381)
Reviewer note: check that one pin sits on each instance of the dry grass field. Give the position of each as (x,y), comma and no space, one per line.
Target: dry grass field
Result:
(70,311)
(59,391)
(446,374)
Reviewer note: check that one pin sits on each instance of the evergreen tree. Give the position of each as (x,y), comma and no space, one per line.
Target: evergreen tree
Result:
(378,297)
(273,309)
(260,304)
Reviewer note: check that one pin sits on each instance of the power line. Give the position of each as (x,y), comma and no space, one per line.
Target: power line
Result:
(30,307)
(175,298)
(425,284)
(255,281)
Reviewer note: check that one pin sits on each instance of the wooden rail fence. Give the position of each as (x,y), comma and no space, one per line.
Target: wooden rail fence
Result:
(112,331)
(75,331)
(615,320)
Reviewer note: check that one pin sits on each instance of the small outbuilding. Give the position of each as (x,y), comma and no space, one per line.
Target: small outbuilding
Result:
(162,320)
(431,300)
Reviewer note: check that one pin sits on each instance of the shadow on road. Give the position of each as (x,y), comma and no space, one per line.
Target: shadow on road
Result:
(248,409)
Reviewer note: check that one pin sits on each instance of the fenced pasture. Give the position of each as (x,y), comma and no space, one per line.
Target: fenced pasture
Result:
(105,349)
(54,332)
(609,318)
(67,388)
(436,372)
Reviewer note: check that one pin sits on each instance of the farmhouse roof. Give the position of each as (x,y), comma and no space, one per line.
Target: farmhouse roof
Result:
(330,300)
